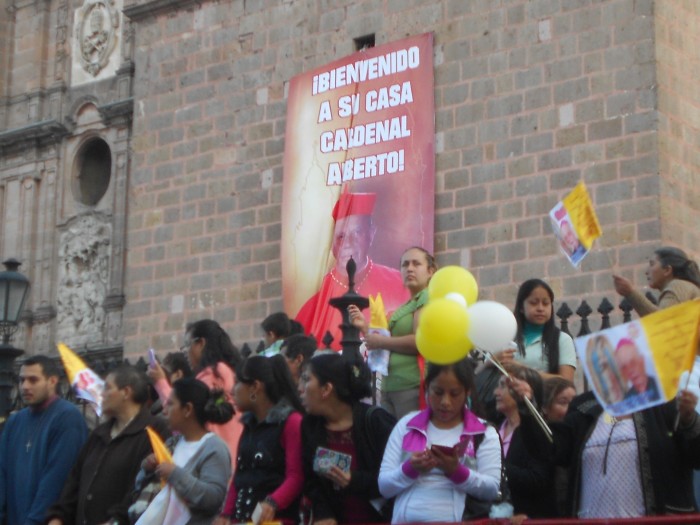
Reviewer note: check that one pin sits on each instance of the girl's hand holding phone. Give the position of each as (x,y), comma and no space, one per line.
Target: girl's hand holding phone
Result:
(446,458)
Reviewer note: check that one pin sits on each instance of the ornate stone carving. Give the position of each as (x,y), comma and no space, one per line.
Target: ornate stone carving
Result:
(84,255)
(96,32)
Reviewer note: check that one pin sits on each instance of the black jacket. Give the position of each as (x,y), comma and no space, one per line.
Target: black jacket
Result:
(666,457)
(530,479)
(370,432)
(261,464)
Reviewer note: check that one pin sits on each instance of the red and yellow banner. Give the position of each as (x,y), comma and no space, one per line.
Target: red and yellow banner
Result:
(362,126)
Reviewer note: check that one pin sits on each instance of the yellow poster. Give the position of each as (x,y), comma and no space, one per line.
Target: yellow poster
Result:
(580,208)
(638,365)
(672,334)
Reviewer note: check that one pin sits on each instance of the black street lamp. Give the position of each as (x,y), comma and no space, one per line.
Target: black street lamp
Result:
(14,288)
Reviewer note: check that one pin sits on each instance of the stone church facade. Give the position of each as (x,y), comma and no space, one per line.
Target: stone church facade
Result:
(141,146)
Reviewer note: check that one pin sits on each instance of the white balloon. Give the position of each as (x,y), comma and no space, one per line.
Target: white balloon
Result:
(492,326)
(457,298)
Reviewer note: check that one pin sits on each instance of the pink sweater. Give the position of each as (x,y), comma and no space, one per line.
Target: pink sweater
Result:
(230,432)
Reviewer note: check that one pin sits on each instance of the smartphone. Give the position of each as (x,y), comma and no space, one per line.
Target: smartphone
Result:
(460,448)
(444,449)
(152,358)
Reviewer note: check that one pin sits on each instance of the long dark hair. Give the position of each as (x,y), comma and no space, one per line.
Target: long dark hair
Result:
(550,333)
(218,348)
(273,373)
(210,406)
(681,265)
(350,379)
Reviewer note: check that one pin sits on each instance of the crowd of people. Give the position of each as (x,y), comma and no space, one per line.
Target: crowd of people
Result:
(291,434)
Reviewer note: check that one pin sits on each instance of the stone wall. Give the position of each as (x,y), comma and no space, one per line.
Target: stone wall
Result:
(73,253)
(678,73)
(531,97)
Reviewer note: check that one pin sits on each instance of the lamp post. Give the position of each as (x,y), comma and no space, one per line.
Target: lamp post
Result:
(14,288)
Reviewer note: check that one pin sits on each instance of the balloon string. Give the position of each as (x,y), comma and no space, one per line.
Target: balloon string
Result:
(538,417)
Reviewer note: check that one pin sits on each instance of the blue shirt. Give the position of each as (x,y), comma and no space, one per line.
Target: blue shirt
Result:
(37,451)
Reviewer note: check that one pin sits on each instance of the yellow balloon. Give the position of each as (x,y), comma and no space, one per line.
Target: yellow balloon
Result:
(441,336)
(442,354)
(453,279)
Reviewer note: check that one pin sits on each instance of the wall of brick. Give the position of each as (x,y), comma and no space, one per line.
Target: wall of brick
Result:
(531,97)
(27,55)
(678,66)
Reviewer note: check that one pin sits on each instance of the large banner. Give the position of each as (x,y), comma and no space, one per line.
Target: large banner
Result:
(358,177)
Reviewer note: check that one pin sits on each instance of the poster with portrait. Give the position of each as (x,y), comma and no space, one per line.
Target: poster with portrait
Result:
(575,224)
(637,365)
(358,178)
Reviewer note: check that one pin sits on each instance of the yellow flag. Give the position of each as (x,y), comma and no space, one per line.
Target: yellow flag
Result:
(377,314)
(71,362)
(580,209)
(86,383)
(672,334)
(161,451)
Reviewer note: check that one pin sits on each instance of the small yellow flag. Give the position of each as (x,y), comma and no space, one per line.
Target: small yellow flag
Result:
(86,383)
(580,209)
(161,451)
(71,362)
(377,314)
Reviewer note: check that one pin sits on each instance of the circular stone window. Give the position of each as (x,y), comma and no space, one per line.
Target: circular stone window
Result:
(94,165)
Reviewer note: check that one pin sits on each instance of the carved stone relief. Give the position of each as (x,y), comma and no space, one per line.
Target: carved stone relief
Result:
(96,32)
(84,255)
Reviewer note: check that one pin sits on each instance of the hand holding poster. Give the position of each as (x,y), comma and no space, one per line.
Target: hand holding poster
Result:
(378,360)
(575,224)
(87,384)
(637,365)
